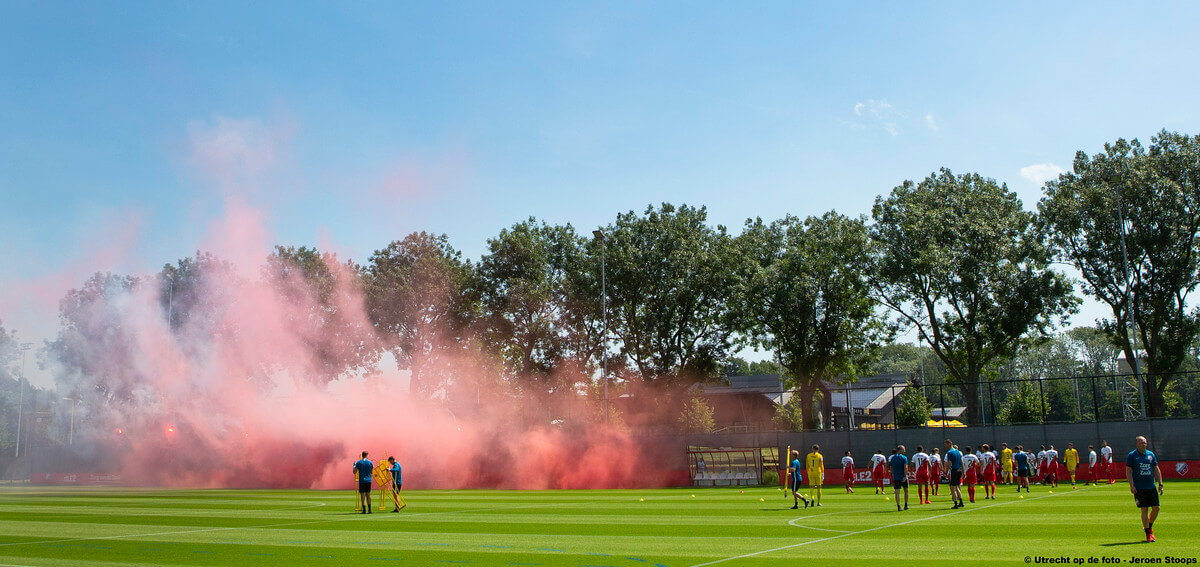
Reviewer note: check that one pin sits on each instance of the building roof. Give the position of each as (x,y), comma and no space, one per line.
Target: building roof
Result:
(767,385)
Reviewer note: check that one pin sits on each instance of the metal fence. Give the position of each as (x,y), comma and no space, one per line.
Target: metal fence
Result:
(1070,399)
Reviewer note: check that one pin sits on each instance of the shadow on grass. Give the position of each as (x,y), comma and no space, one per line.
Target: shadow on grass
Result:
(1139,542)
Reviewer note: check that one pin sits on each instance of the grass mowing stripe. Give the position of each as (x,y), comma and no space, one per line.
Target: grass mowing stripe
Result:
(876,528)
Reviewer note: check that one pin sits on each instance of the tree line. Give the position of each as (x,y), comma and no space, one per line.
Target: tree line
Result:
(954,256)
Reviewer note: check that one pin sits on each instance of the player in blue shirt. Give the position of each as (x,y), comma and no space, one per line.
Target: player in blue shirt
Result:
(1021,459)
(396,482)
(364,467)
(899,465)
(953,463)
(1141,470)
(794,481)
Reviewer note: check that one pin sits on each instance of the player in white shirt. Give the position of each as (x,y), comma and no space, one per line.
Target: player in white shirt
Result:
(1106,462)
(1042,464)
(877,461)
(935,470)
(989,463)
(970,472)
(1052,467)
(920,463)
(848,472)
(1093,470)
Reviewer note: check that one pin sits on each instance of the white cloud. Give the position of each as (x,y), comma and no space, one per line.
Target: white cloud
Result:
(858,108)
(891,128)
(931,123)
(882,113)
(1042,172)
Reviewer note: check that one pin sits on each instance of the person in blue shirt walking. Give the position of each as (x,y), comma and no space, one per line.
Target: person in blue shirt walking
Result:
(396,482)
(1021,459)
(364,467)
(899,465)
(954,464)
(1141,470)
(794,480)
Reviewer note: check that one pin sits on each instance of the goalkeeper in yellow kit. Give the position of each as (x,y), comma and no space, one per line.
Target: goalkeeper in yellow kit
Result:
(1072,458)
(815,466)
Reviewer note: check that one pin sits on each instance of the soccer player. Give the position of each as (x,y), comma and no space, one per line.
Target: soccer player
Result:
(970,472)
(898,464)
(396,482)
(1021,459)
(935,470)
(1006,463)
(364,467)
(1141,470)
(1052,467)
(954,465)
(1092,472)
(1042,464)
(988,461)
(877,462)
(794,480)
(815,463)
(1072,460)
(920,462)
(1106,461)
(848,472)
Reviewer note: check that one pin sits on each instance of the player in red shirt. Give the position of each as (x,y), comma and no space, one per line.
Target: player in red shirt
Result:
(935,469)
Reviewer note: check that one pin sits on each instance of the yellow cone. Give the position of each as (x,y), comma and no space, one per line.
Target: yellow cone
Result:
(760,500)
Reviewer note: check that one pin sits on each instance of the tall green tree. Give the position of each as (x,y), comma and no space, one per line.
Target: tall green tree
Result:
(1025,405)
(1095,349)
(1129,220)
(913,409)
(95,348)
(959,259)
(670,293)
(327,316)
(418,300)
(808,298)
(539,313)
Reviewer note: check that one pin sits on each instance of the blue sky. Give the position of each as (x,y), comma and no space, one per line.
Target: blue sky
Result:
(130,130)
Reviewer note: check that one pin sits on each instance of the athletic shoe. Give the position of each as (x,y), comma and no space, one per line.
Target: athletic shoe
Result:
(806,504)
(797,506)
(1150,538)
(898,509)
(906,506)
(396,510)
(816,504)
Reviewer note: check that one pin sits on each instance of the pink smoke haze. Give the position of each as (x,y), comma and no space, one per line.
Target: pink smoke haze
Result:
(228,399)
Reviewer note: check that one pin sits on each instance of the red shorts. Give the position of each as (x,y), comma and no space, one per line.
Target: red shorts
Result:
(848,474)
(922,477)
(989,475)
(877,474)
(972,478)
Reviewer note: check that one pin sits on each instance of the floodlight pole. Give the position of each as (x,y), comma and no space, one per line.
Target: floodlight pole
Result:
(71,435)
(21,398)
(599,234)
(1129,299)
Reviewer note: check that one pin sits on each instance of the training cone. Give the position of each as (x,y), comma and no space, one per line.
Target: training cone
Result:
(760,500)
(887,498)
(1051,492)
(1021,497)
(641,500)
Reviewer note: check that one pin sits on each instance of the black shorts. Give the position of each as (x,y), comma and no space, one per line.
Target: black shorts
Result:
(1023,473)
(956,477)
(1146,498)
(900,483)
(364,487)
(794,484)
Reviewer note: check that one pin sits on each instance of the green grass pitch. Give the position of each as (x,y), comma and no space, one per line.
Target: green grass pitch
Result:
(680,527)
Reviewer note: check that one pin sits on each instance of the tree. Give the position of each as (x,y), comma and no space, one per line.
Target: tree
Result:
(1096,351)
(808,298)
(1129,220)
(958,258)
(416,298)
(94,347)
(913,409)
(327,311)
(1023,406)
(738,366)
(670,293)
(540,317)
(697,416)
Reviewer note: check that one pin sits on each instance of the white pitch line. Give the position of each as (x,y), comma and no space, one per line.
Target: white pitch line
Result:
(877,528)
(206,530)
